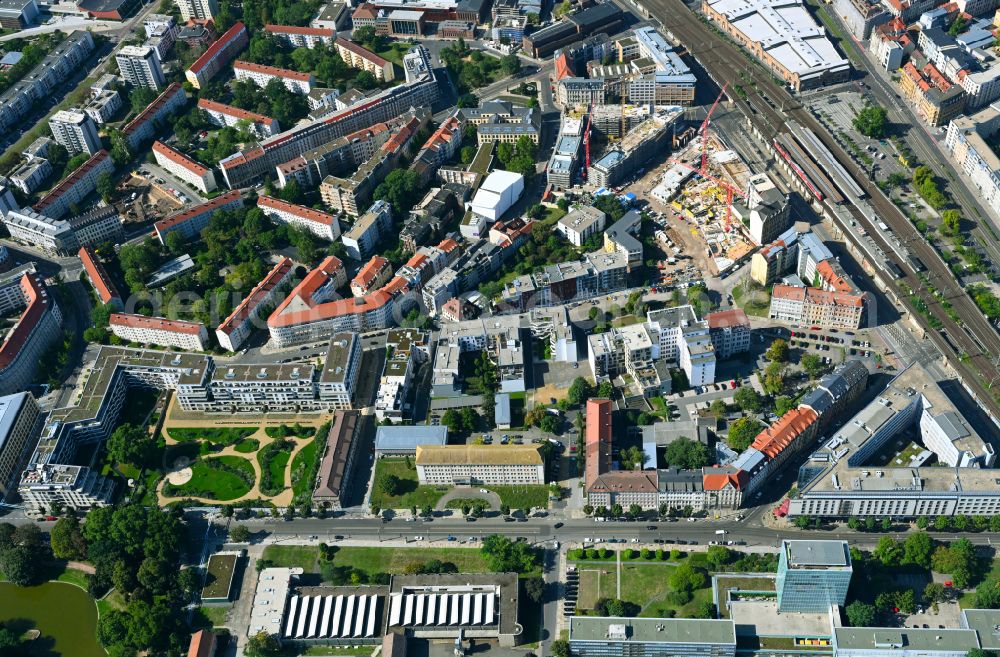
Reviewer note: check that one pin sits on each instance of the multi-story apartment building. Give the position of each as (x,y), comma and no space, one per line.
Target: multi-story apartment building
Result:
(420,90)
(76,186)
(75,131)
(297,83)
(597,273)
(813,575)
(226,115)
(303,37)
(408,349)
(937,100)
(140,67)
(503,465)
(442,287)
(103,106)
(621,238)
(218,55)
(34,331)
(143,127)
(774,259)
(236,328)
(338,379)
(190,222)
(663,77)
(177,163)
(653,135)
(19,413)
(64,236)
(320,224)
(106,291)
(967,141)
(341,155)
(31,174)
(438,149)
(580,224)
(813,306)
(361,58)
(199,11)
(159,331)
(370,229)
(580,91)
(40,82)
(730,332)
(373,275)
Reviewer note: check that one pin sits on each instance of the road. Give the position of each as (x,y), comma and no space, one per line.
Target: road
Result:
(767,107)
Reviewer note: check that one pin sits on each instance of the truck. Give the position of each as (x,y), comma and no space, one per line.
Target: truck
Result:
(720,532)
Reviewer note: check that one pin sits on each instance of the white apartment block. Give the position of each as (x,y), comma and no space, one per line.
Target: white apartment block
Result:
(981,87)
(338,379)
(361,58)
(503,465)
(18,415)
(75,187)
(160,25)
(30,175)
(75,131)
(297,83)
(241,323)
(226,115)
(103,106)
(303,37)
(320,224)
(580,224)
(64,236)
(368,231)
(197,10)
(198,176)
(140,67)
(967,142)
(159,331)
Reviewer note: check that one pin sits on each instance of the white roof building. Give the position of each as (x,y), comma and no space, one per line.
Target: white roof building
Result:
(499,192)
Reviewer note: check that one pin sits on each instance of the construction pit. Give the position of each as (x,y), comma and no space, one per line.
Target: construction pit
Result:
(142,200)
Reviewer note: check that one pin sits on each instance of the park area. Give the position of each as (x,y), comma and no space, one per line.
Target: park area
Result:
(275,464)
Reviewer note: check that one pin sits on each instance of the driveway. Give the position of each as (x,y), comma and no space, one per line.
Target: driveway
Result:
(467,493)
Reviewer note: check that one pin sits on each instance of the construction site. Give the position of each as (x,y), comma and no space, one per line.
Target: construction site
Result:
(143,200)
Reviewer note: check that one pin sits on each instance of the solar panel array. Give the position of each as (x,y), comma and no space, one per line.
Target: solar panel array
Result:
(443,609)
(331,616)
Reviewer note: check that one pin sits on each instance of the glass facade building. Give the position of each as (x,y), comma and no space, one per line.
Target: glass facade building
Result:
(812,575)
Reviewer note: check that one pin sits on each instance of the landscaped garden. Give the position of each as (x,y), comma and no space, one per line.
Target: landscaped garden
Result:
(273,460)
(218,435)
(405,491)
(221,478)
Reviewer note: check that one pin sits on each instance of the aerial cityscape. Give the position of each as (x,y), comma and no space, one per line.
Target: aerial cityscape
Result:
(510,328)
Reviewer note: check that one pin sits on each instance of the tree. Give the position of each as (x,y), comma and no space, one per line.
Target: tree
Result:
(401,188)
(958,560)
(20,564)
(778,351)
(239,534)
(951,221)
(888,551)
(510,65)
(105,186)
(389,484)
(502,555)
(812,365)
(917,549)
(453,420)
(783,404)
(719,556)
(987,595)
(718,408)
(871,121)
(774,378)
(748,400)
(860,614)
(631,458)
(534,587)
(935,592)
(262,644)
(687,454)
(364,35)
(688,578)
(132,444)
(579,391)
(67,539)
(560,648)
(742,432)
(12,646)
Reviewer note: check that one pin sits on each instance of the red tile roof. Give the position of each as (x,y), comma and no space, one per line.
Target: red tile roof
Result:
(304,31)
(230,35)
(202,644)
(717,478)
(38,303)
(365,10)
(198,210)
(563,68)
(727,319)
(271,70)
(179,158)
(832,278)
(257,295)
(625,481)
(235,112)
(817,296)
(598,440)
(98,275)
(774,439)
(155,323)
(370,271)
(146,114)
(363,53)
(300,211)
(69,181)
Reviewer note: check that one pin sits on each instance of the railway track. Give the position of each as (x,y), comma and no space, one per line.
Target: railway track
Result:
(972,346)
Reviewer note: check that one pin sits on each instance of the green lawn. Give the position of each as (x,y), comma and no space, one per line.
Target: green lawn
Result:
(522,497)
(77,577)
(304,467)
(596,582)
(411,492)
(285,431)
(643,584)
(273,460)
(967,599)
(374,560)
(113,600)
(221,435)
(210,616)
(247,446)
(220,478)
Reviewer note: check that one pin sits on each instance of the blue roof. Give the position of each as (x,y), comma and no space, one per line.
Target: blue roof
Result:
(390,438)
(10,58)
(501,409)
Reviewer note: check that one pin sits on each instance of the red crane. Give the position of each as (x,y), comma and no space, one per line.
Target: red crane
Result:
(703,131)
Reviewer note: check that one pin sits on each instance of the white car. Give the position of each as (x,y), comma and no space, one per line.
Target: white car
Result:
(418,538)
(635,540)
(483,491)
